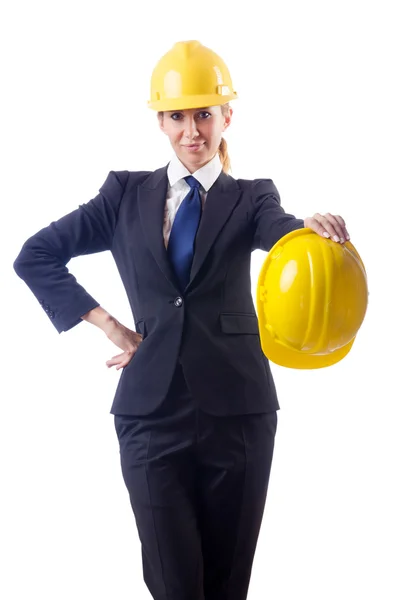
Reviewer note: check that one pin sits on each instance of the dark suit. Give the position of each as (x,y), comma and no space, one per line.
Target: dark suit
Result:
(191,476)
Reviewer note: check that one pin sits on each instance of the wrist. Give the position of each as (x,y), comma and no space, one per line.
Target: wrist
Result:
(99,317)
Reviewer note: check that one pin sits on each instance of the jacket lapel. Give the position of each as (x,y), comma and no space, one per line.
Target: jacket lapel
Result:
(151,203)
(221,199)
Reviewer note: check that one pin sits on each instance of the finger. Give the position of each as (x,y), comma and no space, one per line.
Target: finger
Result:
(125,362)
(111,363)
(343,225)
(115,360)
(329,227)
(323,227)
(337,225)
(121,360)
(338,218)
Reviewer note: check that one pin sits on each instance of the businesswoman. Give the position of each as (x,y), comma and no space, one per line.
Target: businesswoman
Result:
(195,408)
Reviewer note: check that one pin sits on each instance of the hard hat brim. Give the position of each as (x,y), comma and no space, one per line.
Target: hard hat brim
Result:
(187,102)
(284,357)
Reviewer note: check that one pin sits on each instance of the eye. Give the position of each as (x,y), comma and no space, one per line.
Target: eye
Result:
(175,116)
(204,114)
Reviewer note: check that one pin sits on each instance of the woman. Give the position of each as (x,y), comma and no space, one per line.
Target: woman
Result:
(196,408)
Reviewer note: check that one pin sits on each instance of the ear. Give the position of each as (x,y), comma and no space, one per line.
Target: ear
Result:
(160,118)
(228,119)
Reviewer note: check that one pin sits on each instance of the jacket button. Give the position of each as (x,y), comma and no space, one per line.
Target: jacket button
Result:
(51,314)
(178,301)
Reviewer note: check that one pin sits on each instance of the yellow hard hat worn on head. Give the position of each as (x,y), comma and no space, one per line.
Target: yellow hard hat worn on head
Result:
(312,297)
(190,75)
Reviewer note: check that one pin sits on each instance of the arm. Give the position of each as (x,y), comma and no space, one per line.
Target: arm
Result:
(42,260)
(99,317)
(271,221)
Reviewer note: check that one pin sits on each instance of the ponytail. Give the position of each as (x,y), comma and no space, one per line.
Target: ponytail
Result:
(222,150)
(224,155)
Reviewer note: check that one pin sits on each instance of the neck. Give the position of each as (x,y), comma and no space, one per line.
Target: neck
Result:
(192,168)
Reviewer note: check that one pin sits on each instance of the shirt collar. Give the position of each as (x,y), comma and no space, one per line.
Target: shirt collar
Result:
(206,175)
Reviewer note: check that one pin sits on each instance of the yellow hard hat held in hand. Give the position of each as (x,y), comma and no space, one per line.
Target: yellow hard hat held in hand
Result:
(190,75)
(312,297)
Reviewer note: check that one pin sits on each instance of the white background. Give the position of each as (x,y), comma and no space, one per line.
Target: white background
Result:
(317,114)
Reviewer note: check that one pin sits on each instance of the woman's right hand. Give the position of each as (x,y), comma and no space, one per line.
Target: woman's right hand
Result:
(124,338)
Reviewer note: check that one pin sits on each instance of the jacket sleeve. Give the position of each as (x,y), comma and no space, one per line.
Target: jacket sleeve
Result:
(271,221)
(42,261)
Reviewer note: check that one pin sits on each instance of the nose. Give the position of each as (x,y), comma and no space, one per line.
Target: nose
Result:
(190,131)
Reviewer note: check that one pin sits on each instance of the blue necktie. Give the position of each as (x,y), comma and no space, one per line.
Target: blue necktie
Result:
(183,232)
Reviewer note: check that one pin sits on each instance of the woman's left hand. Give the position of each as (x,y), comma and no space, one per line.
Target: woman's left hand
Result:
(329,226)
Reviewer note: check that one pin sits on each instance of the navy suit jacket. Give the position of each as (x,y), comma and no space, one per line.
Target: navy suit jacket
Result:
(211,326)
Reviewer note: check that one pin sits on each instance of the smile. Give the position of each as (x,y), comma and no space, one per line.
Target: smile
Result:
(194,146)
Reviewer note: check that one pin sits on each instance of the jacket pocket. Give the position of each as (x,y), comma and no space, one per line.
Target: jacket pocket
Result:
(140,327)
(239,323)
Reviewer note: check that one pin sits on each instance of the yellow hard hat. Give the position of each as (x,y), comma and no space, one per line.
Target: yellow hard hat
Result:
(312,297)
(190,75)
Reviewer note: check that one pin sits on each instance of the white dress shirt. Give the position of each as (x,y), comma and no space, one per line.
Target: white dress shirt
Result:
(178,188)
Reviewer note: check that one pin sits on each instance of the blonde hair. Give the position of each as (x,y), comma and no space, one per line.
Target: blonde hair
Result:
(222,150)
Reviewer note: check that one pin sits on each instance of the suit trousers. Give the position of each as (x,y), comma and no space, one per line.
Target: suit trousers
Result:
(197,485)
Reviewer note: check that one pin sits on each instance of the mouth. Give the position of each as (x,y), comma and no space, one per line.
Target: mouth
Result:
(194,147)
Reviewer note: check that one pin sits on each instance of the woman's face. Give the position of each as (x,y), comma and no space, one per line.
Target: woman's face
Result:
(195,134)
